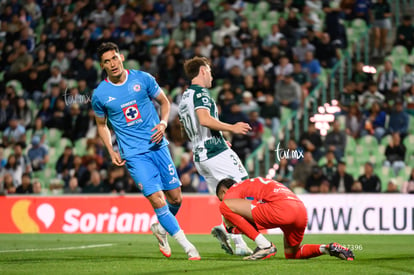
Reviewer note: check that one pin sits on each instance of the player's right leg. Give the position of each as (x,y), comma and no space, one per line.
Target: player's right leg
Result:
(144,171)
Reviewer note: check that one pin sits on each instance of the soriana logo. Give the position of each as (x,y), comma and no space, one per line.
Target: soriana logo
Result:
(81,215)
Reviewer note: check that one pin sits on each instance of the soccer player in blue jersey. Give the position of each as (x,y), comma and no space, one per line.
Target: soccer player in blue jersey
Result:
(124,99)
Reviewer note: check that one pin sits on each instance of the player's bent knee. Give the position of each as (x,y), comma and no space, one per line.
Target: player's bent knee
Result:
(157,200)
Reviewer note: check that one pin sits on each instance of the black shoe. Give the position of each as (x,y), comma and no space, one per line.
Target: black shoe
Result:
(223,238)
(343,253)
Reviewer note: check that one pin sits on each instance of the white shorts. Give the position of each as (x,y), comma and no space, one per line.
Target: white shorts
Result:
(225,165)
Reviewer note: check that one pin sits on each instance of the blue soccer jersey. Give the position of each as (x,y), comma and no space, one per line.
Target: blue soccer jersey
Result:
(130,111)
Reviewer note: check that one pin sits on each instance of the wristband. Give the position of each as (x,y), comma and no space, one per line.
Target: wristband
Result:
(163,122)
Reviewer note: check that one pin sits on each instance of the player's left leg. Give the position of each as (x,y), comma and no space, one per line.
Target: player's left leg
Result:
(239,213)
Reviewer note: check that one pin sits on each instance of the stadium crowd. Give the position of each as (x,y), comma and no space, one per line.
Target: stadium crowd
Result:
(50,69)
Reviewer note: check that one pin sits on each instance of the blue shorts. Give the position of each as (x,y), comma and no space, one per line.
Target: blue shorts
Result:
(153,171)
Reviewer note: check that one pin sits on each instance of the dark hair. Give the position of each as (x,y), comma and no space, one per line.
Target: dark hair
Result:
(105,47)
(192,66)
(227,182)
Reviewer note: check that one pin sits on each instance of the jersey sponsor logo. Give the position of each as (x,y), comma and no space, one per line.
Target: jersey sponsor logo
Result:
(131,113)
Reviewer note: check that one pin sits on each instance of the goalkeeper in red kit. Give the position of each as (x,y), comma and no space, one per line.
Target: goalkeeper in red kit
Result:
(255,204)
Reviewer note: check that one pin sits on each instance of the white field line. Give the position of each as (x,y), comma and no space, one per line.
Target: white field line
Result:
(58,248)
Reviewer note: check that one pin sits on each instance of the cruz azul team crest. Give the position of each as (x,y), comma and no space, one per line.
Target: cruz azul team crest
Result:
(131,113)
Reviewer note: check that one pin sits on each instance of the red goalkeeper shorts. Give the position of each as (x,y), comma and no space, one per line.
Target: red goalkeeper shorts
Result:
(288,215)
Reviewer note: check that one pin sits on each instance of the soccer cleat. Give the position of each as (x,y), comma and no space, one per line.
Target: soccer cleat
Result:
(223,238)
(262,253)
(337,250)
(193,254)
(162,240)
(243,250)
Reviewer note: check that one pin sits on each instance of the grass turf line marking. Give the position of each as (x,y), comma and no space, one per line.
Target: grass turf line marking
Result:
(58,248)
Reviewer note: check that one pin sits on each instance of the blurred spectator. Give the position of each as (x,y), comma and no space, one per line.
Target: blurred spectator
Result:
(284,172)
(21,158)
(335,140)
(242,145)
(315,181)
(226,13)
(227,29)
(356,187)
(395,154)
(23,113)
(387,77)
(72,187)
(9,184)
(273,38)
(361,78)
(326,52)
(37,187)
(342,181)
(311,141)
(375,122)
(116,181)
(244,33)
(392,187)
(39,130)
(333,22)
(185,31)
(309,18)
(61,62)
(15,169)
(302,78)
(298,4)
(408,185)
(26,186)
(270,114)
(300,50)
(405,33)
(248,104)
(65,163)
(399,120)
(302,171)
(170,18)
(285,49)
(370,182)
(88,73)
(381,12)
(183,7)
(407,79)
(236,59)
(206,14)
(20,63)
(60,116)
(206,46)
(312,67)
(367,99)
(288,92)
(94,185)
(392,97)
(257,130)
(329,168)
(38,155)
(14,133)
(6,112)
(348,97)
(186,184)
(75,123)
(362,10)
(354,122)
(54,79)
(284,68)
(78,169)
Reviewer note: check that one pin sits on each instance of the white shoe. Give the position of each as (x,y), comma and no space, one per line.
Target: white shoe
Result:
(162,240)
(243,250)
(193,254)
(223,237)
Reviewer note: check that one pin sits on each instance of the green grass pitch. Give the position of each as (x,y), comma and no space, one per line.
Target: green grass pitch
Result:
(138,254)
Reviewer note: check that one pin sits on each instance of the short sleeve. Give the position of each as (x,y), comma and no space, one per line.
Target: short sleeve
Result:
(97,106)
(153,87)
(202,99)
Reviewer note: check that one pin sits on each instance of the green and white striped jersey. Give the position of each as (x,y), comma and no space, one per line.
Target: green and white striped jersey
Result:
(206,143)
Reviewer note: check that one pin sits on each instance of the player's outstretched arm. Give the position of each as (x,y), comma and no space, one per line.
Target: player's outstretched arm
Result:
(105,135)
(165,112)
(208,121)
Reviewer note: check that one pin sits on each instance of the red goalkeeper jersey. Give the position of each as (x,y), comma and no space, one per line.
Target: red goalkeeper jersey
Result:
(260,190)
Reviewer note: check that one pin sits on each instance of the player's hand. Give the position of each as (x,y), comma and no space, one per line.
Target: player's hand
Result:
(241,128)
(116,159)
(159,133)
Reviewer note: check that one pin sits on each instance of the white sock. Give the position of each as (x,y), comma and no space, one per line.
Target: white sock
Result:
(262,242)
(323,249)
(182,240)
(238,240)
(161,229)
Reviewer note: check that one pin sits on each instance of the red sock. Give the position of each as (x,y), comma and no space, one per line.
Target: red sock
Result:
(241,223)
(306,251)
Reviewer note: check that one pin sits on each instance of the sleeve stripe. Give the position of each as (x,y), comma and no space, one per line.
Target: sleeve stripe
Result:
(201,107)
